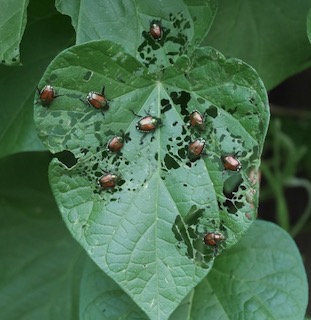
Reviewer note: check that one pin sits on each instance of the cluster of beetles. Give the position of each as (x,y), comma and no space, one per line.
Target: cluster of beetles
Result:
(146,124)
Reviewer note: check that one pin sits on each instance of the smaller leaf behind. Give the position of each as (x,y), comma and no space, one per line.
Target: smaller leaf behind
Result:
(263,276)
(184,23)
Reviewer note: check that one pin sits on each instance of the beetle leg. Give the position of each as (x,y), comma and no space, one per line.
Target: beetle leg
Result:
(103,90)
(142,137)
(216,250)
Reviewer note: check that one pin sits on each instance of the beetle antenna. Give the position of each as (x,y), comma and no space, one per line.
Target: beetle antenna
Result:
(82,100)
(137,115)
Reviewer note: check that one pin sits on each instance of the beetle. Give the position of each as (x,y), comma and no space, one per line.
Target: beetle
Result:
(115,144)
(213,238)
(46,95)
(147,123)
(196,148)
(156,29)
(108,180)
(196,120)
(97,100)
(231,163)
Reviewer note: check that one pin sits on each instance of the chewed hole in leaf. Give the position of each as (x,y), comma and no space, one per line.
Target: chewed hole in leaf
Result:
(189,233)
(67,158)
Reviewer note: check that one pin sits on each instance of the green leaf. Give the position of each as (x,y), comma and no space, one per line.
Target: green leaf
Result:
(13,21)
(40,263)
(127,23)
(46,34)
(101,298)
(147,232)
(269,35)
(262,275)
(265,277)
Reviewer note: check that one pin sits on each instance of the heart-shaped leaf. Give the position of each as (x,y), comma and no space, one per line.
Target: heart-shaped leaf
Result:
(146,230)
(264,271)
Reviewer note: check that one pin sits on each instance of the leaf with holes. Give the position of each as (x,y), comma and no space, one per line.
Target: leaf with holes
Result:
(142,212)
(181,26)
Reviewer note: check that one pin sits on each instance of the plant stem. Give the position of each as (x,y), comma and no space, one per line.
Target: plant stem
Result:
(277,188)
(298,182)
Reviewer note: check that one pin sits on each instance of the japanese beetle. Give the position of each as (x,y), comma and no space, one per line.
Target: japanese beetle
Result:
(115,144)
(97,100)
(108,181)
(147,123)
(213,238)
(156,29)
(197,120)
(196,148)
(46,95)
(231,163)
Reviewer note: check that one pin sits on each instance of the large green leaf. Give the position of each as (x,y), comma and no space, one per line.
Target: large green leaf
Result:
(127,22)
(269,35)
(265,278)
(40,263)
(47,33)
(12,25)
(147,232)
